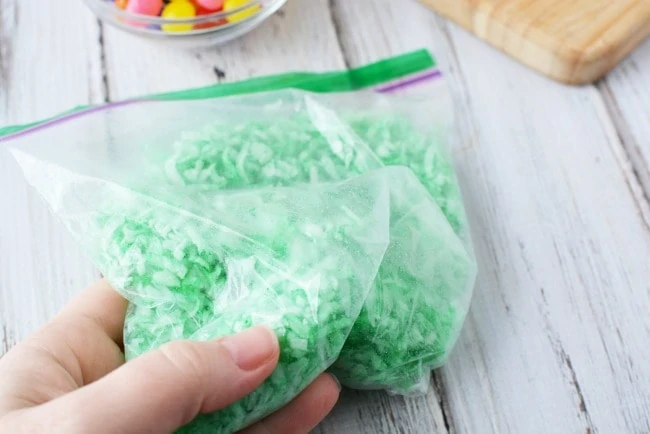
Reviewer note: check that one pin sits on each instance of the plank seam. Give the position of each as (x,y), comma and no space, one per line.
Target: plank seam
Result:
(8,22)
(443,402)
(582,406)
(632,148)
(626,150)
(7,341)
(565,359)
(463,118)
(103,64)
(333,9)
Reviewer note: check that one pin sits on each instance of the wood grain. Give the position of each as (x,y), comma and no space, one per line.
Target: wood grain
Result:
(572,41)
(556,340)
(626,93)
(376,412)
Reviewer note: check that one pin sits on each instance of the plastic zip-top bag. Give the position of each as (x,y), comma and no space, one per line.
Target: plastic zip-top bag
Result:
(324,206)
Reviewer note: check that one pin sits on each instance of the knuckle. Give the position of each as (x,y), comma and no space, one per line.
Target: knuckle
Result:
(186,360)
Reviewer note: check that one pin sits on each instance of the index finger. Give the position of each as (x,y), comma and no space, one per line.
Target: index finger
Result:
(100,304)
(80,345)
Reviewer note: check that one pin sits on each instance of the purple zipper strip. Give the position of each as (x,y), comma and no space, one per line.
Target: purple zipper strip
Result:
(430,75)
(69,117)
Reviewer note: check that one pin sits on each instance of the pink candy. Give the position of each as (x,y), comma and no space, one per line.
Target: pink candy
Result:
(145,7)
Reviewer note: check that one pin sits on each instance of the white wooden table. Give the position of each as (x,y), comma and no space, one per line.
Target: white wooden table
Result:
(556,181)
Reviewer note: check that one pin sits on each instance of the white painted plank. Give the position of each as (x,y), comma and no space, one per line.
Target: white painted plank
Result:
(627,93)
(556,336)
(40,265)
(297,38)
(546,186)
(556,203)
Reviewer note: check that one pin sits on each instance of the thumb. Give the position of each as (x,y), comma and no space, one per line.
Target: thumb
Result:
(163,390)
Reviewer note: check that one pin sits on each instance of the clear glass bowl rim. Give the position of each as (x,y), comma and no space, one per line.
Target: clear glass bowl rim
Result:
(109,7)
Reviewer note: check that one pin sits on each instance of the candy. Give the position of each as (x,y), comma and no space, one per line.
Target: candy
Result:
(230,5)
(200,11)
(145,7)
(121,3)
(178,9)
(210,5)
(203,11)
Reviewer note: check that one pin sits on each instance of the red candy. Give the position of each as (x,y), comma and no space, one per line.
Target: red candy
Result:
(203,11)
(210,5)
(145,7)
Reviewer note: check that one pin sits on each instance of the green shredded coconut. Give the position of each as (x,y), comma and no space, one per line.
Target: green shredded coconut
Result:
(344,231)
(191,278)
(413,314)
(417,301)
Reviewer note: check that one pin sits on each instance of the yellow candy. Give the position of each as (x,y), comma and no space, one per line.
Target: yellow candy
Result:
(230,5)
(178,9)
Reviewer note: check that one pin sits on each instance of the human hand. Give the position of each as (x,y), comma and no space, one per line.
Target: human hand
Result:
(70,377)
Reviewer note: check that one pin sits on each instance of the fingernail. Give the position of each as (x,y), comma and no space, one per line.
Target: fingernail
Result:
(251,348)
(336,380)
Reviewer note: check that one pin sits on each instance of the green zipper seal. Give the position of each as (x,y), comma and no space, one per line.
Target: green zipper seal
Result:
(370,75)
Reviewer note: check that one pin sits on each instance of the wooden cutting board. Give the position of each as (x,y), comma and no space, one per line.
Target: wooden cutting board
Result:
(573,41)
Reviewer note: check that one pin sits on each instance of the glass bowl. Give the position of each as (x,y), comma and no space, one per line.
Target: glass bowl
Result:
(200,31)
